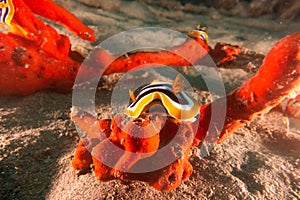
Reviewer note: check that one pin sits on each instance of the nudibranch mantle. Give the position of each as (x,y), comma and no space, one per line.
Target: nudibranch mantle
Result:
(199,32)
(176,102)
(6,11)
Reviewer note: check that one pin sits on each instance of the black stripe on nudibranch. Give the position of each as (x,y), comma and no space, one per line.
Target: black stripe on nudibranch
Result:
(6,14)
(163,88)
(176,98)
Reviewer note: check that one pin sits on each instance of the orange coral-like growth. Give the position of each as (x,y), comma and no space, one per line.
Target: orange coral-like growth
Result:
(186,54)
(224,53)
(277,77)
(33,55)
(149,141)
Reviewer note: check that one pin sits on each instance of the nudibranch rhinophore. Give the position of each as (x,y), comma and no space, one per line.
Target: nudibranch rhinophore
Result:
(168,94)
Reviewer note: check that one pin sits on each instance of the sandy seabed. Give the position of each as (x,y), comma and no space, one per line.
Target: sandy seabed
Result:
(38,139)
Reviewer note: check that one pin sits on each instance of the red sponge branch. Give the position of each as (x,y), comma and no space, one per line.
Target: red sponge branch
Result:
(278,76)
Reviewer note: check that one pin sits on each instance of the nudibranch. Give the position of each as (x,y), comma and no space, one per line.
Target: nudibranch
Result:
(199,32)
(169,95)
(6,11)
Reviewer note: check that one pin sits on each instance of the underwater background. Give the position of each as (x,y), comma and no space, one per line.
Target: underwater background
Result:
(259,161)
